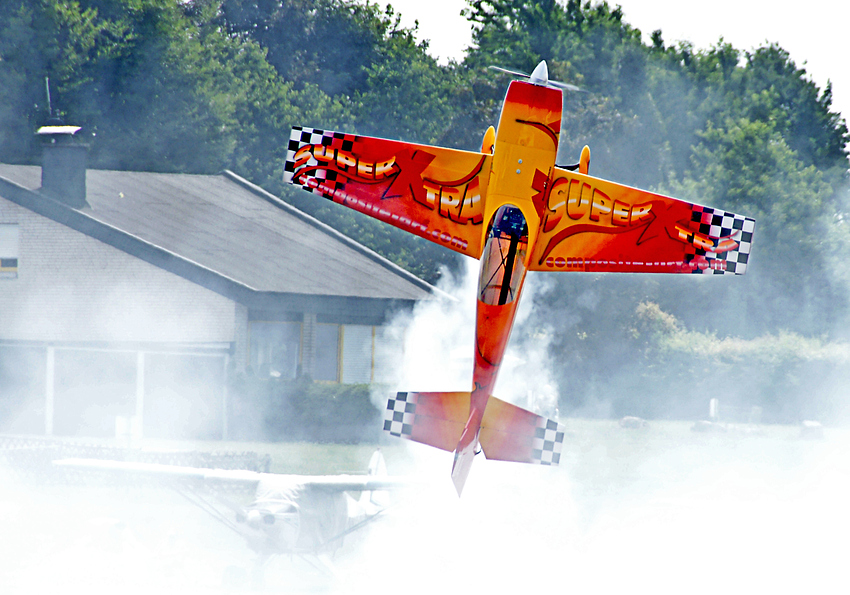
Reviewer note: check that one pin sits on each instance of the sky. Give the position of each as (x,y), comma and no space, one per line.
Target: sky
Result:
(817,39)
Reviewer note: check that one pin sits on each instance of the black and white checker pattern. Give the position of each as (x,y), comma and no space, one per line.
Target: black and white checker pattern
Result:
(547,442)
(400,415)
(716,223)
(300,137)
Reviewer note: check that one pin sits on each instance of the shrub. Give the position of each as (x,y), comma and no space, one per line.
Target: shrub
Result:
(302,410)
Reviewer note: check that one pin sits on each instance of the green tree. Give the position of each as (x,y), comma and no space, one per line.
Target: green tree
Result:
(201,85)
(801,112)
(62,41)
(745,131)
(592,46)
(382,80)
(747,167)
(162,85)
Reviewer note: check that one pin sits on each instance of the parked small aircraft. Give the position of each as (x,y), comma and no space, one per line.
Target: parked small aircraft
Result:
(513,208)
(290,514)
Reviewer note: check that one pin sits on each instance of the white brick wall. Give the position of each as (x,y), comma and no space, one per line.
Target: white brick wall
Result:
(71,287)
(241,336)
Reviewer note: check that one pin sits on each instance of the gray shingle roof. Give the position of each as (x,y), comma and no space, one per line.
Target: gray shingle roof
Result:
(235,230)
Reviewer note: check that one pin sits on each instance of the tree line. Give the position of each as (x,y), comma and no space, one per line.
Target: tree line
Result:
(203,85)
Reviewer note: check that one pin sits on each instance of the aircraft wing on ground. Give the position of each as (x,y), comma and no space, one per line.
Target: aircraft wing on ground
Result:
(327,483)
(433,192)
(164,471)
(591,224)
(289,514)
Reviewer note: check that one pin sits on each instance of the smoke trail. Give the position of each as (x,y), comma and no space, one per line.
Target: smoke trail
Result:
(438,345)
(661,506)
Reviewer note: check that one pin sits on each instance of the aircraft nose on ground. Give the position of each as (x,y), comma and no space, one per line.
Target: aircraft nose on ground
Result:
(253,519)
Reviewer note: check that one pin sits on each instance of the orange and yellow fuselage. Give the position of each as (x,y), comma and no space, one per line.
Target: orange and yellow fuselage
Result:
(526,143)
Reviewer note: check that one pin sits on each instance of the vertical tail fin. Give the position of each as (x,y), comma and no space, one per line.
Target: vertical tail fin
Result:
(463,464)
(377,468)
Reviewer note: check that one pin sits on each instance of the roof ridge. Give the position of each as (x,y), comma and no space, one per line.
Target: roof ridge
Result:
(324,227)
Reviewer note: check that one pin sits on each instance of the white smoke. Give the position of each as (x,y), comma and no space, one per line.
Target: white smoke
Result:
(660,509)
(438,343)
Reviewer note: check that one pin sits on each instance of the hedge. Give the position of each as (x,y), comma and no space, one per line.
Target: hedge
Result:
(301,410)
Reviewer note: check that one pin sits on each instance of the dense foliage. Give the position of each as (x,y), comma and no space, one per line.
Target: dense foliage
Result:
(301,410)
(203,85)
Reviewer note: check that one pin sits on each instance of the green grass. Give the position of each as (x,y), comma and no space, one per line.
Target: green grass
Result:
(663,449)
(305,458)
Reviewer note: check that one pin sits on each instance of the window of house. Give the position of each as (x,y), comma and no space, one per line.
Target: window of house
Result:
(8,250)
(357,353)
(275,348)
(327,352)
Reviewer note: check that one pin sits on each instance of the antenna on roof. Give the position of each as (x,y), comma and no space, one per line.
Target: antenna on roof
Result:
(49,105)
(53,118)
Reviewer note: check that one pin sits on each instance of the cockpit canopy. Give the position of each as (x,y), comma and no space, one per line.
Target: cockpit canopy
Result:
(503,259)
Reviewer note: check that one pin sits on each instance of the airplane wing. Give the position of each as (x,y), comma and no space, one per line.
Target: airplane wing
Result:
(433,192)
(329,483)
(590,224)
(164,471)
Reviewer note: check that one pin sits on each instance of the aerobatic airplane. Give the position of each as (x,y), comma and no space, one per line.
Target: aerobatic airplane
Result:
(513,208)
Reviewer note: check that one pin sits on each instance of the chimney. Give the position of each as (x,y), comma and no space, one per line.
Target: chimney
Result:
(63,164)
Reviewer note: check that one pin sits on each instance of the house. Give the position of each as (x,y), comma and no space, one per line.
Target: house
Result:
(130,297)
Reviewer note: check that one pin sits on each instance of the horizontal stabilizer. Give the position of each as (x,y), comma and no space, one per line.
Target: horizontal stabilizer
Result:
(511,433)
(508,432)
(435,419)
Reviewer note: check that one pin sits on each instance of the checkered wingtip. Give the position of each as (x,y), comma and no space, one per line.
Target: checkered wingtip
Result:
(302,136)
(717,223)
